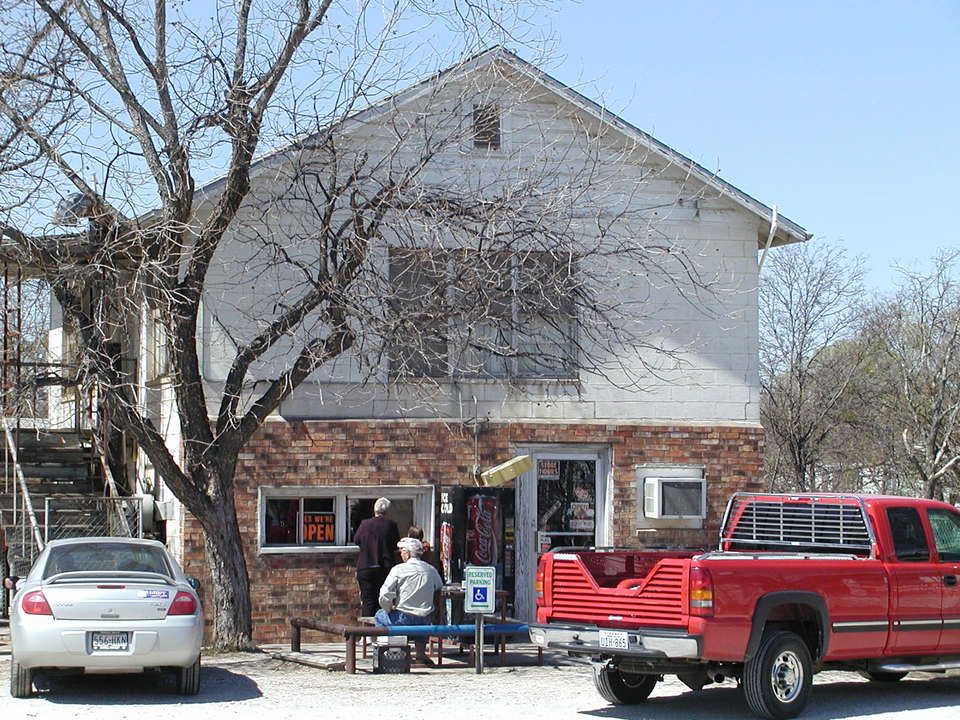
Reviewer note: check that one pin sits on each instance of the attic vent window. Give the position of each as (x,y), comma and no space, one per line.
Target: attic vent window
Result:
(486,127)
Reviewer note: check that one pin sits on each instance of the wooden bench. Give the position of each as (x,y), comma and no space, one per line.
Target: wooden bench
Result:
(351,633)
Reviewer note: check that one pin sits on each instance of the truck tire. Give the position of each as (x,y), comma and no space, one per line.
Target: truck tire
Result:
(777,680)
(620,688)
(188,678)
(21,679)
(884,677)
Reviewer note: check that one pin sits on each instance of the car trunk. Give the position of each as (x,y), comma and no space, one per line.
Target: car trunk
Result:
(110,600)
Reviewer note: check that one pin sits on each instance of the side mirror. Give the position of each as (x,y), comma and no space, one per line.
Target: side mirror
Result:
(10,583)
(194,583)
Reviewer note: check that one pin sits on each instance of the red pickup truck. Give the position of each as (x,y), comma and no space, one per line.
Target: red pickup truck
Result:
(800,583)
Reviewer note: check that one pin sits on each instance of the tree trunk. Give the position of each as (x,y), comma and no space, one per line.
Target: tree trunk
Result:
(230,609)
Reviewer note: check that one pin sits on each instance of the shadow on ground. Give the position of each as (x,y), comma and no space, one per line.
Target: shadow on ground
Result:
(828,701)
(217,685)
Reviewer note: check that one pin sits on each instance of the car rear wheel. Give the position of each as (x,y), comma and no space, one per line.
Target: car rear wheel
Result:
(777,680)
(188,679)
(620,688)
(21,679)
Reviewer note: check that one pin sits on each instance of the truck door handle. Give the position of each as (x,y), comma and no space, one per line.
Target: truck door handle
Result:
(950,580)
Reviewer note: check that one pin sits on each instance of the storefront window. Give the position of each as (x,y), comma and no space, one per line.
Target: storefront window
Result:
(401,512)
(319,524)
(281,522)
(316,518)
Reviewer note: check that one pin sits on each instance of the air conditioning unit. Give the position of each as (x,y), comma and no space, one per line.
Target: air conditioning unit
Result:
(674,497)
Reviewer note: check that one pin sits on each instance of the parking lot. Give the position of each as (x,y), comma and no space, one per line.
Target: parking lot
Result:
(250,685)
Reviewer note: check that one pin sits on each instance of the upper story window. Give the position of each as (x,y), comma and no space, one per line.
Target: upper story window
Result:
(486,126)
(157,358)
(490,314)
(418,278)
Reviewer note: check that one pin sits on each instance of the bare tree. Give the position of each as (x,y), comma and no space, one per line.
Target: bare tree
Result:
(372,241)
(810,301)
(918,336)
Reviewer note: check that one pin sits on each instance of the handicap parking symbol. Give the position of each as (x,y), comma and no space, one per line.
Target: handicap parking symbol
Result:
(480,595)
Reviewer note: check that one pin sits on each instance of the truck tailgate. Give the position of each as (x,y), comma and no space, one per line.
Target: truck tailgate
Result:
(658,599)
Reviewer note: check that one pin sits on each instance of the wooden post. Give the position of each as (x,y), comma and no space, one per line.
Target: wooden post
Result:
(351,663)
(294,636)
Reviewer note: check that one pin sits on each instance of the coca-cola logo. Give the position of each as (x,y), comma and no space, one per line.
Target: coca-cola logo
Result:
(482,534)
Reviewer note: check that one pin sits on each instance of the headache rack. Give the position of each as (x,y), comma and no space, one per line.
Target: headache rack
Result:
(801,523)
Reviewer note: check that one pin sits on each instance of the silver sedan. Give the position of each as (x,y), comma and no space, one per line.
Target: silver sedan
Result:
(105,605)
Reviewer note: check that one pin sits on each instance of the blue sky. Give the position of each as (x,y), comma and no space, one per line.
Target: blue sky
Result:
(844,114)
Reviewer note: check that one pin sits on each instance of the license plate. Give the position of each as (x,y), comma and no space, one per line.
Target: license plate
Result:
(109,640)
(614,640)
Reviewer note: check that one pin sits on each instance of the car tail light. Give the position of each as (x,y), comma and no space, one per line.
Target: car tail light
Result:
(34,603)
(183,604)
(701,592)
(538,584)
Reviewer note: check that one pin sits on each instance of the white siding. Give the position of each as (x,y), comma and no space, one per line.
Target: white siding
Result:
(713,377)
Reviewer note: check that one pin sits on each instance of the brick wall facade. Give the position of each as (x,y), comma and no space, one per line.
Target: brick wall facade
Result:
(319,453)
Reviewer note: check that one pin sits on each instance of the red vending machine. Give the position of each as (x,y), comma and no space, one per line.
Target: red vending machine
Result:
(477,527)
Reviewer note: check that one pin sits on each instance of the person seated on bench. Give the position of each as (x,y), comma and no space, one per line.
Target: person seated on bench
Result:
(409,594)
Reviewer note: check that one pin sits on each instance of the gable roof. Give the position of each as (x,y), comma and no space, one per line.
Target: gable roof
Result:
(785,230)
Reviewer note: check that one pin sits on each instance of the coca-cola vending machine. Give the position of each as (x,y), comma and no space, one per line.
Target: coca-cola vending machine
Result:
(477,527)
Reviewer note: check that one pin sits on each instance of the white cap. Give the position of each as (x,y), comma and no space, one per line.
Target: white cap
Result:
(411,545)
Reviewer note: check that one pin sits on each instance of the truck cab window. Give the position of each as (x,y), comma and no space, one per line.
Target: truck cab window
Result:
(946,534)
(909,540)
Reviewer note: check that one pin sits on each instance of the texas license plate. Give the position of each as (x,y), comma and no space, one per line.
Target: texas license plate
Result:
(613,639)
(109,640)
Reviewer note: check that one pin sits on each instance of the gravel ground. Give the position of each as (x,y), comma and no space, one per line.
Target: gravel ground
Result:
(250,685)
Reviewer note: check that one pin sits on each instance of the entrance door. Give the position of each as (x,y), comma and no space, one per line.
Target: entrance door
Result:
(566,503)
(560,503)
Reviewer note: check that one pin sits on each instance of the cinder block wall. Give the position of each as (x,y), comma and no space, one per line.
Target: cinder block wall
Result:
(318,453)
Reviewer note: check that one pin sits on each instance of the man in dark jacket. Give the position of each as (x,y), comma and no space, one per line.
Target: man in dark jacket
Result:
(377,537)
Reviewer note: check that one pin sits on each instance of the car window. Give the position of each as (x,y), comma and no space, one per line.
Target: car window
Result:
(909,540)
(946,534)
(96,557)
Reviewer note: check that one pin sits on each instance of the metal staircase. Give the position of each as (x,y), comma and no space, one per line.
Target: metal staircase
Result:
(57,485)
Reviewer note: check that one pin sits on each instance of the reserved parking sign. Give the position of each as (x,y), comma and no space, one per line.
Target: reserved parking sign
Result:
(479,588)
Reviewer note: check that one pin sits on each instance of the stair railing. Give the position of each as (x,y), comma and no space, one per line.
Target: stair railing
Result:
(110,486)
(27,515)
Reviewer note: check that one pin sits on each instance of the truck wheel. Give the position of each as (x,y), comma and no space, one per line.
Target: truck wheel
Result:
(777,680)
(885,677)
(188,679)
(620,688)
(21,679)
